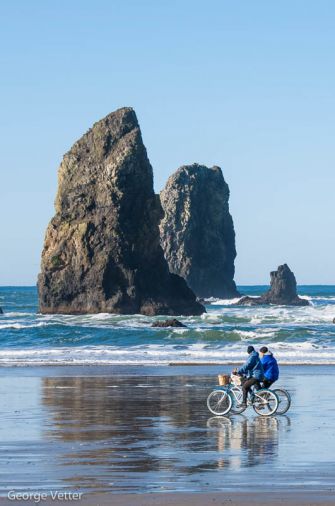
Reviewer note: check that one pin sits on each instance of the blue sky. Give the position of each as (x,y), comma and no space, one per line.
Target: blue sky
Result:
(248,86)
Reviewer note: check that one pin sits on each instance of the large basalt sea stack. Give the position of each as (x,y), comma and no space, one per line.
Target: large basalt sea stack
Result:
(102,251)
(197,231)
(283,290)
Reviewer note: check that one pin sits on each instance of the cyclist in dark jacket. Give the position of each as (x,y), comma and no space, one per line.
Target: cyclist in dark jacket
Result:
(253,369)
(270,366)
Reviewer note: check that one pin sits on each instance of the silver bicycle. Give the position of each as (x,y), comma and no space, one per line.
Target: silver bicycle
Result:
(225,399)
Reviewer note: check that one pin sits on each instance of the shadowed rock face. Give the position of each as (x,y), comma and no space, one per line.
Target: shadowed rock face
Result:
(283,290)
(102,250)
(197,231)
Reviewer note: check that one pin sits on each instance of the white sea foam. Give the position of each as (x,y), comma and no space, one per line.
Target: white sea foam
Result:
(286,353)
(211,316)
(16,314)
(226,302)
(19,326)
(251,334)
(210,300)
(101,316)
(180,331)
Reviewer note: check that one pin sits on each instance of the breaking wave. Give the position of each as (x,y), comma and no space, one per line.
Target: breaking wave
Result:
(297,335)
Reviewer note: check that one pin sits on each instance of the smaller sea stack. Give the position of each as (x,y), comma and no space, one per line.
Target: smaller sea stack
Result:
(283,291)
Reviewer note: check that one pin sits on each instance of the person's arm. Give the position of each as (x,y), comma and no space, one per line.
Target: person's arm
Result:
(245,367)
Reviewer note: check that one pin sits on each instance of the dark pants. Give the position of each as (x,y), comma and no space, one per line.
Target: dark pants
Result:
(267,383)
(246,387)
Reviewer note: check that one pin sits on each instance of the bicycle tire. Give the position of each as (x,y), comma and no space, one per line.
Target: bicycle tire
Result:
(281,394)
(219,402)
(261,403)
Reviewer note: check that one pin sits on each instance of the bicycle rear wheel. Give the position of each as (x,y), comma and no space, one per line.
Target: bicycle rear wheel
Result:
(219,402)
(265,402)
(284,400)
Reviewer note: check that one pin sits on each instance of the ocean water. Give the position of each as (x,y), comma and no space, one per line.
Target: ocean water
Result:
(303,335)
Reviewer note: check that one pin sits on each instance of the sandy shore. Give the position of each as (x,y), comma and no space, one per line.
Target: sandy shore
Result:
(190,499)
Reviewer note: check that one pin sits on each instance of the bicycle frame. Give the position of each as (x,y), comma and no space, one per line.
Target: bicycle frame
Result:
(252,394)
(229,389)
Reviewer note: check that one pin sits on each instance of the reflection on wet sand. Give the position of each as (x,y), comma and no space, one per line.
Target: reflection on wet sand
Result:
(144,433)
(255,439)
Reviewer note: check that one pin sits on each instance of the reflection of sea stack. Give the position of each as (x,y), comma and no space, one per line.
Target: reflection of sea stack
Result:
(102,251)
(283,290)
(197,231)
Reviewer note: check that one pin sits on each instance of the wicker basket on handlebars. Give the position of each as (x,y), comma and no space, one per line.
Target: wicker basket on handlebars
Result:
(224,380)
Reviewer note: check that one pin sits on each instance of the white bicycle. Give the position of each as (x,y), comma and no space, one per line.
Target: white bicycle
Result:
(229,398)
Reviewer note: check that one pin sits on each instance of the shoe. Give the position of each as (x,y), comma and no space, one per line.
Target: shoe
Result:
(243,405)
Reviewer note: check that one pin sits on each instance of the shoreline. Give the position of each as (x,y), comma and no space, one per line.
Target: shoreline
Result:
(151,365)
(111,370)
(210,371)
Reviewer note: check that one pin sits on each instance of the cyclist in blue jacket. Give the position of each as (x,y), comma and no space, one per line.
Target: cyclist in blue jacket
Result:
(270,366)
(253,369)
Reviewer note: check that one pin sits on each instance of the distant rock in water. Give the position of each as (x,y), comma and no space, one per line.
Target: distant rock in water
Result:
(283,291)
(102,249)
(1,311)
(197,231)
(169,323)
(283,288)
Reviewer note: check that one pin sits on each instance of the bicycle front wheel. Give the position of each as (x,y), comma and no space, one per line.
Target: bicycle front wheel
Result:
(265,402)
(219,402)
(284,400)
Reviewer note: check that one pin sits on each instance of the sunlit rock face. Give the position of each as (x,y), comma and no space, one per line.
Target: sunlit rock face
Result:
(102,248)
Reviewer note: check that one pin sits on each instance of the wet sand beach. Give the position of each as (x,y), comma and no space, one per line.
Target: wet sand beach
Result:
(195,499)
(143,435)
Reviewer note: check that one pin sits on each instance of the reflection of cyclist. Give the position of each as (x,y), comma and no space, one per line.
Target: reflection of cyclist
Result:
(253,369)
(270,366)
